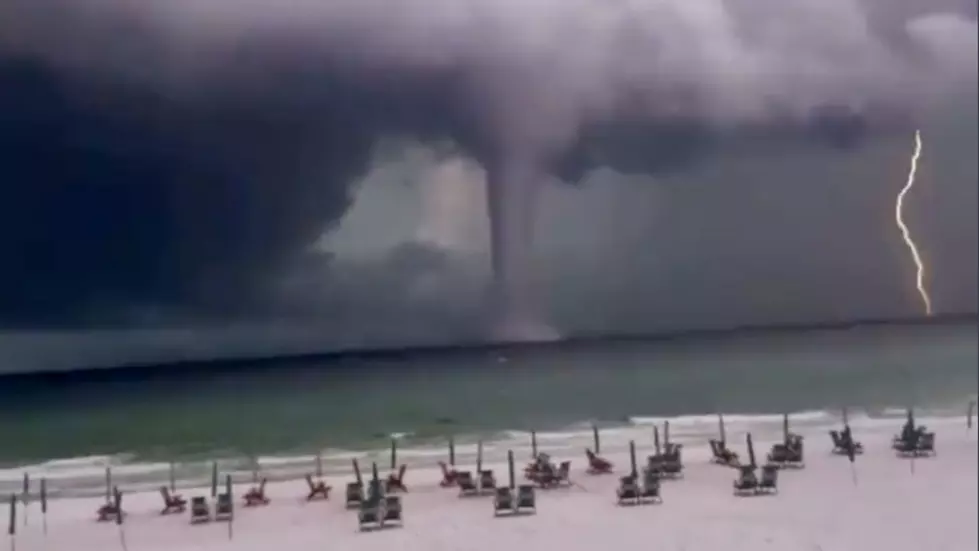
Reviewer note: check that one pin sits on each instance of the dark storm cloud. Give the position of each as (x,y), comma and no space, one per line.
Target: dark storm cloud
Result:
(178,152)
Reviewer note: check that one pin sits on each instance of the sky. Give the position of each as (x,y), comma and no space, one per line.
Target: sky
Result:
(656,165)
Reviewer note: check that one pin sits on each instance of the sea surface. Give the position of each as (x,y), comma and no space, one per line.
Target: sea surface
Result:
(69,430)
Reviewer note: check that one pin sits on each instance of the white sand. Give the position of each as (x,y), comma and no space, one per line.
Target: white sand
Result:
(818,508)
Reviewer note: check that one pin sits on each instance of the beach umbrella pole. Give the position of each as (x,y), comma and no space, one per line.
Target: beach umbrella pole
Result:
(12,525)
(479,457)
(117,498)
(26,495)
(231,499)
(173,477)
(394,454)
(108,485)
(632,458)
(44,505)
(319,464)
(720,427)
(598,442)
(533,444)
(513,476)
(452,451)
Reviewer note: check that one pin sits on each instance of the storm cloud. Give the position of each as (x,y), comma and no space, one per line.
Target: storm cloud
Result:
(182,152)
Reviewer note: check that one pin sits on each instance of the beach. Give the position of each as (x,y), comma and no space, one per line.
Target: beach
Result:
(886,502)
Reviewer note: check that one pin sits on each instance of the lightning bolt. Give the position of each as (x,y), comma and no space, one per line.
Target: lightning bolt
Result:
(905,232)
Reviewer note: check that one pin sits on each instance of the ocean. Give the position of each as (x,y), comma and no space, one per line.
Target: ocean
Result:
(69,430)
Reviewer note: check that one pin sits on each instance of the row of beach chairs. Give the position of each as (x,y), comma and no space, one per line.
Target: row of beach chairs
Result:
(631,493)
(788,454)
(914,442)
(380,512)
(748,483)
(668,463)
(546,474)
(508,502)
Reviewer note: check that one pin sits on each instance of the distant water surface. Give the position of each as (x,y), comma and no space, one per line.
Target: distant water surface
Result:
(359,403)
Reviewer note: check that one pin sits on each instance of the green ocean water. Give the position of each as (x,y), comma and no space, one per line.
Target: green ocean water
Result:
(358,404)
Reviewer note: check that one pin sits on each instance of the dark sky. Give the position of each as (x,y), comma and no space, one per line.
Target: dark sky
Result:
(182,167)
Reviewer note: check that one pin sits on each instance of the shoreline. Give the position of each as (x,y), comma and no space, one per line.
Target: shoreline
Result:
(873,514)
(85,476)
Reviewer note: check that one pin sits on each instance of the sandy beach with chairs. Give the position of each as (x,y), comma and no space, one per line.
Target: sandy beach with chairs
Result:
(887,500)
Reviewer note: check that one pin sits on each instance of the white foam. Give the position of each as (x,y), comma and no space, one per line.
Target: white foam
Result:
(85,476)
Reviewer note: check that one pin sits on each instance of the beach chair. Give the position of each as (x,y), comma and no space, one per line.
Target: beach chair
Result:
(926,444)
(562,476)
(841,443)
(769,480)
(670,464)
(467,485)
(906,442)
(789,453)
(108,512)
(596,464)
(487,481)
(172,503)
(747,481)
(392,511)
(396,481)
(369,514)
(200,510)
(355,495)
(722,455)
(526,498)
(256,496)
(317,489)
(628,491)
(649,492)
(503,502)
(224,508)
(448,476)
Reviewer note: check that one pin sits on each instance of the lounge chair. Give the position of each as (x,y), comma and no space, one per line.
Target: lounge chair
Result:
(596,464)
(369,514)
(224,508)
(628,491)
(907,442)
(747,481)
(503,502)
(650,489)
(355,495)
(396,481)
(108,512)
(256,496)
(526,498)
(487,481)
(841,443)
(467,485)
(200,510)
(769,480)
(317,489)
(549,477)
(172,503)
(448,475)
(926,444)
(561,477)
(789,453)
(392,511)
(722,455)
(670,463)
